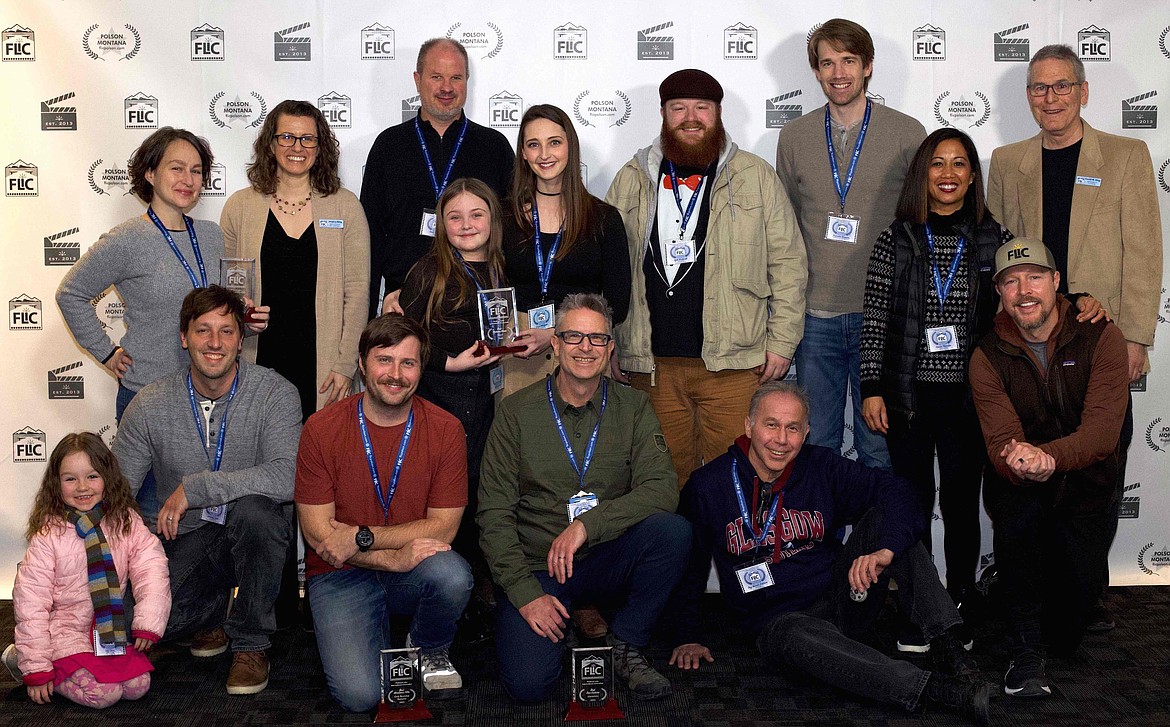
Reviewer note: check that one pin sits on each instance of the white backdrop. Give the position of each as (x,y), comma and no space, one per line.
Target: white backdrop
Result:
(85,81)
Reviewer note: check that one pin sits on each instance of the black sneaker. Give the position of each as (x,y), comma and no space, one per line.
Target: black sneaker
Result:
(635,671)
(951,657)
(1026,678)
(969,697)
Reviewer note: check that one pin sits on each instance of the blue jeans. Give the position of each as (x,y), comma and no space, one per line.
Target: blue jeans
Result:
(641,566)
(147,494)
(351,610)
(828,364)
(247,551)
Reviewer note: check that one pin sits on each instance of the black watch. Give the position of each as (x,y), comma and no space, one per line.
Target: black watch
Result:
(364,538)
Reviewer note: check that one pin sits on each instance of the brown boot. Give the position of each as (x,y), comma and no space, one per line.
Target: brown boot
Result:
(590,622)
(209,642)
(249,673)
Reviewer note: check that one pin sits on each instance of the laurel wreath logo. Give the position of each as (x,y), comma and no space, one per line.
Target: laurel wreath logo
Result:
(85,43)
(1150,435)
(211,110)
(1162,41)
(137,43)
(629,108)
(499,40)
(938,109)
(986,109)
(1141,560)
(452,29)
(1162,177)
(92,184)
(577,109)
(89,51)
(263,111)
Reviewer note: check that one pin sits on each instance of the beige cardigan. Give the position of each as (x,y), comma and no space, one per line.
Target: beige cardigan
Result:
(343,271)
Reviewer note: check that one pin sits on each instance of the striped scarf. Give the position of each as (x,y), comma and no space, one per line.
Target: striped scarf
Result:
(104,590)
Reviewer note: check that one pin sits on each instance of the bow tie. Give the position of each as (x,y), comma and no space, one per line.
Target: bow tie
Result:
(692,181)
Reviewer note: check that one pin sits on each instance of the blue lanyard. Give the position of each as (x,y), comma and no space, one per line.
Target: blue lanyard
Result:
(175,248)
(842,191)
(475,281)
(943,289)
(544,265)
(552,404)
(222,422)
(450,162)
(384,498)
(762,537)
(686,216)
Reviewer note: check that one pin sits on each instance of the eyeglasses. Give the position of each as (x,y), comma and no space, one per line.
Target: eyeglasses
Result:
(574,337)
(308,141)
(1060,88)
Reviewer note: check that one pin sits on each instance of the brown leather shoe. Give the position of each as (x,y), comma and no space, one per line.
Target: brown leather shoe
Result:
(590,622)
(209,642)
(249,673)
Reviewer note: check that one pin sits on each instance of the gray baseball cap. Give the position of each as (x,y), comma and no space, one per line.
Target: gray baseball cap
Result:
(1022,251)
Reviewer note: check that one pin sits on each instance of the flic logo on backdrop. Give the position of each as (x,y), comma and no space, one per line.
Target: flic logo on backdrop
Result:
(1135,115)
(875,98)
(63,385)
(58,118)
(929,43)
(207,43)
(20,179)
(505,110)
(62,251)
(102,178)
(113,42)
(961,112)
(777,112)
(1093,44)
(570,42)
(236,112)
(18,43)
(1158,436)
(336,107)
(653,45)
(1011,49)
(24,313)
(410,107)
(1129,503)
(739,42)
(611,111)
(288,46)
(141,111)
(475,40)
(29,445)
(377,43)
(215,181)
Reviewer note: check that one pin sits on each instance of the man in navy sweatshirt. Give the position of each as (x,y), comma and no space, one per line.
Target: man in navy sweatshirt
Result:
(768,511)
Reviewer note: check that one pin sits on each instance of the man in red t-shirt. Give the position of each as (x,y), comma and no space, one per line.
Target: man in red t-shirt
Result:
(381,486)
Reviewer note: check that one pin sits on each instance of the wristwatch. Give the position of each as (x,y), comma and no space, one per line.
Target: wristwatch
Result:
(364,538)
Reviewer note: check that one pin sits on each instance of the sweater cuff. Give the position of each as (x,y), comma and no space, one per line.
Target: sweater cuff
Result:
(870,388)
(111,355)
(36,680)
(143,634)
(525,592)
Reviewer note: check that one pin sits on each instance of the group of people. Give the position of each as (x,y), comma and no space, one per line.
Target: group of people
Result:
(587,476)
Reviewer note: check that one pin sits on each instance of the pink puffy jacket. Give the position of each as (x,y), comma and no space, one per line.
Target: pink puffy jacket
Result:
(54,613)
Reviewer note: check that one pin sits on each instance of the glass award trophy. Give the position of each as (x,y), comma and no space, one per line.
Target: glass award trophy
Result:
(238,274)
(402,700)
(593,695)
(498,322)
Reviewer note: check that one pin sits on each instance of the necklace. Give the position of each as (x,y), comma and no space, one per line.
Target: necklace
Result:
(548,194)
(293,206)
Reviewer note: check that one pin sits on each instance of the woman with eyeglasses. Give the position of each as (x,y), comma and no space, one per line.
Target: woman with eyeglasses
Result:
(309,238)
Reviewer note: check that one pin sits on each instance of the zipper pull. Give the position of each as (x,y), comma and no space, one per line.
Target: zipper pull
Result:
(653,375)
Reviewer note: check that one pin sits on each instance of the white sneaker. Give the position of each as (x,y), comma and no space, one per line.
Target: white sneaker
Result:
(9,659)
(438,673)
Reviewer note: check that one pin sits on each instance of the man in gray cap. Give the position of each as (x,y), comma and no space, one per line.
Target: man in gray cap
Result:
(717,303)
(1051,394)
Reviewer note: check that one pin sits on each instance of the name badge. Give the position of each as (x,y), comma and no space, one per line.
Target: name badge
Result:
(100,649)
(942,338)
(332,224)
(216,514)
(580,503)
(542,317)
(496,378)
(1089,181)
(427,226)
(755,576)
(842,228)
(680,252)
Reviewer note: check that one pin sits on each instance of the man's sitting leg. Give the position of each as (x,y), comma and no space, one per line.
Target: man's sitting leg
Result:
(443,584)
(351,625)
(201,580)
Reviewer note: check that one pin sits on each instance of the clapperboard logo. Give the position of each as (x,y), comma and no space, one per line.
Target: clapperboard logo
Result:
(58,118)
(875,98)
(24,313)
(929,43)
(63,385)
(61,251)
(653,46)
(141,111)
(29,445)
(1129,501)
(410,107)
(288,46)
(336,107)
(779,110)
(1136,115)
(1011,49)
(207,43)
(739,42)
(1093,44)
(377,43)
(505,110)
(570,42)
(20,179)
(18,43)
(215,181)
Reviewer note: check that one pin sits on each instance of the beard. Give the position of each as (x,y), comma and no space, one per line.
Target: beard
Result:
(700,154)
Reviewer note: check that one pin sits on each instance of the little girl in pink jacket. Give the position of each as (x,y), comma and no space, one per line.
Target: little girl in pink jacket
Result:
(86,543)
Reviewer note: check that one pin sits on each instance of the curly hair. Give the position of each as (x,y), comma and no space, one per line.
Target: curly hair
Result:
(149,155)
(262,170)
(117,500)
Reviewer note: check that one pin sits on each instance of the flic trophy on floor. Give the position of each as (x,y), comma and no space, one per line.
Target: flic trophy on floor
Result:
(238,274)
(401,687)
(498,321)
(593,695)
